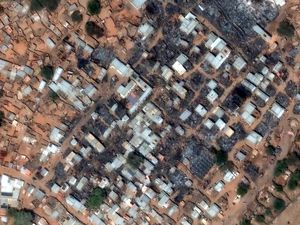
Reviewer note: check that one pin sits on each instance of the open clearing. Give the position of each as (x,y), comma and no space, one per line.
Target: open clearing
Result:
(290,216)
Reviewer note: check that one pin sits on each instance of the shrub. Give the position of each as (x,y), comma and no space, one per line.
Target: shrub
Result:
(229,165)
(271,150)
(94,7)
(294,180)
(59,171)
(1,9)
(245,222)
(279,204)
(134,159)
(92,29)
(37,5)
(96,198)
(280,167)
(242,189)
(260,218)
(1,118)
(268,212)
(222,157)
(51,5)
(53,96)
(21,217)
(76,16)
(47,72)
(286,29)
(293,158)
(278,187)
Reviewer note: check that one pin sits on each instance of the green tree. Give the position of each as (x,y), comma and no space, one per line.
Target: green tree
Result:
(229,165)
(260,218)
(245,222)
(94,7)
(53,95)
(293,158)
(52,5)
(37,5)
(280,168)
(278,187)
(96,198)
(21,217)
(294,180)
(222,161)
(279,204)
(271,150)
(286,29)
(1,9)
(76,16)
(1,118)
(134,159)
(242,189)
(47,72)
(92,29)
(268,212)
(221,157)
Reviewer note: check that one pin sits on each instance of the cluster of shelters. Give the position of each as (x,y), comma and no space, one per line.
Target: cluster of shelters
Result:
(140,116)
(135,93)
(219,51)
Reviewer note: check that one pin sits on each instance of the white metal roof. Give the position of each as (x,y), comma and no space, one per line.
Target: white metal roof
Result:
(208,123)
(42,85)
(239,63)
(277,110)
(229,176)
(218,111)
(145,30)
(280,2)
(228,131)
(138,3)
(201,110)
(248,117)
(166,72)
(213,210)
(220,124)
(121,68)
(251,87)
(179,68)
(185,115)
(57,73)
(254,137)
(6,185)
(50,43)
(264,35)
(212,96)
(56,135)
(219,186)
(249,107)
(262,95)
(212,84)
(188,23)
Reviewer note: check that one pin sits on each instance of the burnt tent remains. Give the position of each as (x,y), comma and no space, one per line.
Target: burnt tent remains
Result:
(199,158)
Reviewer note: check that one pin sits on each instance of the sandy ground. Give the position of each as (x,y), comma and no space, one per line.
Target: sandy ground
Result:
(20,47)
(290,216)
